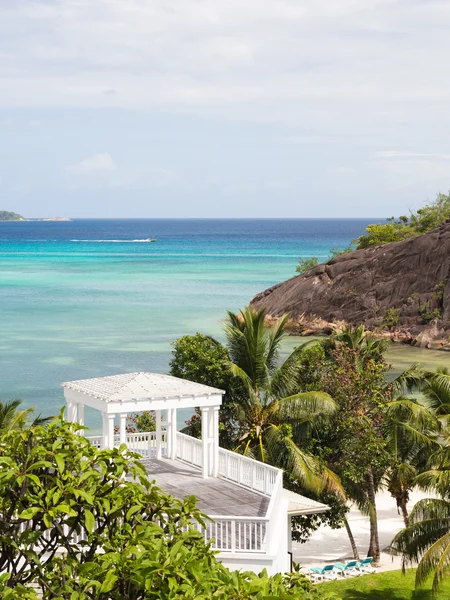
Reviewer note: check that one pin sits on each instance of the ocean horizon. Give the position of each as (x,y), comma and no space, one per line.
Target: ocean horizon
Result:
(90,297)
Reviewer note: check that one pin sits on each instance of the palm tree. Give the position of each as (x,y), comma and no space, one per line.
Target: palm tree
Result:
(410,431)
(358,338)
(436,389)
(13,418)
(426,539)
(273,404)
(403,426)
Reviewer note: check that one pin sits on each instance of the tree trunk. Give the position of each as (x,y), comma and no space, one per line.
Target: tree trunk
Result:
(402,504)
(374,546)
(352,540)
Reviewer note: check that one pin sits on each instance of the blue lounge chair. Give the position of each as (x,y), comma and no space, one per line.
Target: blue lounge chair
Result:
(348,570)
(315,574)
(327,573)
(365,566)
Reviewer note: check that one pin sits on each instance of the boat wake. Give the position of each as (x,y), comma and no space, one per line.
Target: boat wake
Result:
(112,241)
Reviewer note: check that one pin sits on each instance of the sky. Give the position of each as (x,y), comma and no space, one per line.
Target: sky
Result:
(223,108)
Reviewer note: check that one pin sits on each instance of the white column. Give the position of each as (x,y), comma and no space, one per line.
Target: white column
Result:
(205,442)
(81,418)
(111,430)
(169,434)
(105,442)
(215,441)
(158,435)
(68,411)
(108,431)
(123,428)
(71,411)
(289,533)
(174,433)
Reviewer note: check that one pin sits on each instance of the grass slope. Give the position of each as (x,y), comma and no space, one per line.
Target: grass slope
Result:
(390,585)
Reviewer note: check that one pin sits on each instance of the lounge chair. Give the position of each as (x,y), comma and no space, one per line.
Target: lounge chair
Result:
(365,566)
(315,574)
(348,570)
(329,573)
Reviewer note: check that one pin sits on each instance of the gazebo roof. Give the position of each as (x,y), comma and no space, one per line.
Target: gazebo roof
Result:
(136,387)
(300,505)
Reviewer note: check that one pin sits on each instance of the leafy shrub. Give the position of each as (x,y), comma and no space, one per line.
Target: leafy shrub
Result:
(428,314)
(304,264)
(391,317)
(117,535)
(336,251)
(439,290)
(425,219)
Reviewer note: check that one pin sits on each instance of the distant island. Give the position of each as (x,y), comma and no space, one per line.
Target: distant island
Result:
(10,216)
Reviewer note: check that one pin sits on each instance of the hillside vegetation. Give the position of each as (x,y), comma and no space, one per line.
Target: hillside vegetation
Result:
(395,230)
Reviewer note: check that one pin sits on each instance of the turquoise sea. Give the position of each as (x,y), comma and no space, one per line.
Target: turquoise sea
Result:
(88,298)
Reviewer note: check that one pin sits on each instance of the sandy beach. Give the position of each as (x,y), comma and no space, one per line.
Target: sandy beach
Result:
(328,545)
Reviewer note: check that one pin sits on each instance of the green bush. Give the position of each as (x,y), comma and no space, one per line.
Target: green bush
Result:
(391,317)
(395,230)
(336,251)
(429,314)
(87,524)
(304,264)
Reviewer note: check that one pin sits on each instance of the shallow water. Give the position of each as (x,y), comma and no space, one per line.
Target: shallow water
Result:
(89,298)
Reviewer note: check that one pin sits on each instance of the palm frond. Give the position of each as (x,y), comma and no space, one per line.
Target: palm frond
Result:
(275,337)
(285,379)
(306,406)
(436,388)
(409,380)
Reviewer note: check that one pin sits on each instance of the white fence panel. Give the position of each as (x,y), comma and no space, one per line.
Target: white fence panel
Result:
(247,472)
(189,449)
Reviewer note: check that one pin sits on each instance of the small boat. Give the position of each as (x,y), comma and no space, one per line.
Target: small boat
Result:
(150,240)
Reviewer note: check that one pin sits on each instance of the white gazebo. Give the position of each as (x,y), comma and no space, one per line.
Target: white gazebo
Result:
(250,510)
(122,395)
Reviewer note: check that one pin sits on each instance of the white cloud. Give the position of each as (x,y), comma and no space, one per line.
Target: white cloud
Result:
(98,163)
(342,173)
(346,66)
(400,154)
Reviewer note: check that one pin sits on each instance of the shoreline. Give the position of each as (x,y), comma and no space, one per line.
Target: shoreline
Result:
(327,546)
(430,336)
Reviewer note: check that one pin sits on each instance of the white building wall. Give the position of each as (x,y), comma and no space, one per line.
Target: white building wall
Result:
(277,558)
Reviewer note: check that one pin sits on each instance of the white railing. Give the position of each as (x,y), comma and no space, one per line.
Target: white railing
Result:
(143,443)
(189,449)
(238,534)
(247,472)
(225,533)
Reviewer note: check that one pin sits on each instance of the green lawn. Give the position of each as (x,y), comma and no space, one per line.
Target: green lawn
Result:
(390,585)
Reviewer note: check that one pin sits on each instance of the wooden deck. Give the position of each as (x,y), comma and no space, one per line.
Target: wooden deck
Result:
(215,496)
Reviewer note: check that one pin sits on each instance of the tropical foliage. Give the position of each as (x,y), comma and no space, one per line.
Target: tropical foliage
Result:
(203,359)
(304,264)
(423,220)
(426,537)
(11,417)
(87,524)
(274,408)
(378,437)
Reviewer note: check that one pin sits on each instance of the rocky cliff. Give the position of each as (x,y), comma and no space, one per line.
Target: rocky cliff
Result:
(401,290)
